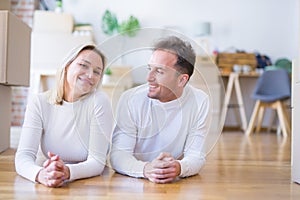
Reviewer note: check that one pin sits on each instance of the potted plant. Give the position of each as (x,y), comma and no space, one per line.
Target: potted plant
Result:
(106,76)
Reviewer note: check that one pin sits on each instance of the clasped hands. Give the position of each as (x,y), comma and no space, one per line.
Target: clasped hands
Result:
(163,169)
(54,172)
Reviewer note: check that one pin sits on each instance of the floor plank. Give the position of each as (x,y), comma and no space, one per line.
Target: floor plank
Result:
(238,167)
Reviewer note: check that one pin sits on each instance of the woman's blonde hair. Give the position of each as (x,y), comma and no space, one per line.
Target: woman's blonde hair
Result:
(55,95)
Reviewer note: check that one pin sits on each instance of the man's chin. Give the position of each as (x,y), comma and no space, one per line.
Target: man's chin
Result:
(152,96)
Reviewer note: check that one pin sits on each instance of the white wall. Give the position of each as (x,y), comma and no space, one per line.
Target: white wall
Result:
(268,26)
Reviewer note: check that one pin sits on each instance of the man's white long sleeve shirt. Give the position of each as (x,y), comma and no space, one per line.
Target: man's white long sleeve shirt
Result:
(146,127)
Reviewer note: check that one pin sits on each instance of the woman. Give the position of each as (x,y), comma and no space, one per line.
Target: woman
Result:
(71,123)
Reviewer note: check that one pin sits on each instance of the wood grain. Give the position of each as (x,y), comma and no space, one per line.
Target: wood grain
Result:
(239,167)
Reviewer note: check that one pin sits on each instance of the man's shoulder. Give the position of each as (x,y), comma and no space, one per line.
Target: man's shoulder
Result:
(138,92)
(135,98)
(198,93)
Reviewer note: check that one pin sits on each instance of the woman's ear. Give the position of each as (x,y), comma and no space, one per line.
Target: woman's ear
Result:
(183,80)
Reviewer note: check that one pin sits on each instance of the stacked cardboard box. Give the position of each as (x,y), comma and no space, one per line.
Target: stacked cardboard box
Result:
(14,67)
(5,5)
(5,109)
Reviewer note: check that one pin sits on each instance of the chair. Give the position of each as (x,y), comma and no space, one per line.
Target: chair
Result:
(285,64)
(272,88)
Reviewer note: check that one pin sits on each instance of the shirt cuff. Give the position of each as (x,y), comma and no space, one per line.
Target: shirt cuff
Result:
(36,170)
(138,170)
(72,175)
(183,167)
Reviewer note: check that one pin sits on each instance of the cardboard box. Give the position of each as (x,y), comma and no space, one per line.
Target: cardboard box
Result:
(5,115)
(5,4)
(14,50)
(52,22)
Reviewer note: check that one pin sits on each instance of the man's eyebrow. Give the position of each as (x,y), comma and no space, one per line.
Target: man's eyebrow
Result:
(157,66)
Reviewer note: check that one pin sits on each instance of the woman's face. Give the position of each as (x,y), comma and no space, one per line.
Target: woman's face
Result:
(84,73)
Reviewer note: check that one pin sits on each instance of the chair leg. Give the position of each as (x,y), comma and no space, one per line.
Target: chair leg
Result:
(287,118)
(278,131)
(272,120)
(253,118)
(260,118)
(282,119)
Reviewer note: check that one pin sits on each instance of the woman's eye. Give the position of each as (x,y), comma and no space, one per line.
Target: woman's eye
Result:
(83,65)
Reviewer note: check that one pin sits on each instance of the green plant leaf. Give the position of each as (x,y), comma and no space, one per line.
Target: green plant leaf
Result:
(108,71)
(109,23)
(129,27)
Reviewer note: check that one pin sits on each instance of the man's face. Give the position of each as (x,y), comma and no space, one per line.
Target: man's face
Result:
(163,78)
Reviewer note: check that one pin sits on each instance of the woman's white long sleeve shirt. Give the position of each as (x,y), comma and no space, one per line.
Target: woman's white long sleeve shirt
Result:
(78,132)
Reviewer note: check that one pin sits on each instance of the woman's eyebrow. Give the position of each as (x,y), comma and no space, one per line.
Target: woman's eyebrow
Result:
(86,61)
(100,68)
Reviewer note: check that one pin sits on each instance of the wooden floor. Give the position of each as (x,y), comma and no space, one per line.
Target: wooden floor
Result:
(256,168)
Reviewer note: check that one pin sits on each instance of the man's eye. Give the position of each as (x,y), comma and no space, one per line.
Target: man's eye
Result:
(97,72)
(159,71)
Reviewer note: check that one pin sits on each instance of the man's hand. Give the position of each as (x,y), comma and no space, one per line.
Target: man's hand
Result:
(163,169)
(54,172)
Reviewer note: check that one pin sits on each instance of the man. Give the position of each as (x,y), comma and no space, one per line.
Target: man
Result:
(161,126)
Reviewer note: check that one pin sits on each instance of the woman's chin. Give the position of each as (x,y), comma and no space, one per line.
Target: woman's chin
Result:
(85,90)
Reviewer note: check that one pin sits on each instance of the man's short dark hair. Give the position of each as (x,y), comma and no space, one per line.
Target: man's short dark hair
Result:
(185,54)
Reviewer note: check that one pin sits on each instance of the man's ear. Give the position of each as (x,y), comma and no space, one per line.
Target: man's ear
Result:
(183,79)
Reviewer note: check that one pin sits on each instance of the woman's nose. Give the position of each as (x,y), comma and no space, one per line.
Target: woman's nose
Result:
(89,72)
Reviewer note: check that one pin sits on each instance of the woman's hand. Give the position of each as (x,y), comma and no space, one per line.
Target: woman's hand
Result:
(54,172)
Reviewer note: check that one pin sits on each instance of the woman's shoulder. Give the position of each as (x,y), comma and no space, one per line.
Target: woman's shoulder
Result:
(38,101)
(100,94)
(38,97)
(98,97)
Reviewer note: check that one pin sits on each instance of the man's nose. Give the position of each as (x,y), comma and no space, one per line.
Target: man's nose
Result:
(151,76)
